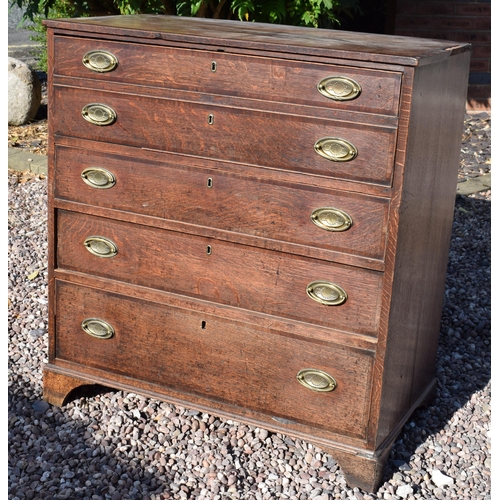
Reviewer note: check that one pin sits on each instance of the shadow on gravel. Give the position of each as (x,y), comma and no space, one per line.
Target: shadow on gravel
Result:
(463,365)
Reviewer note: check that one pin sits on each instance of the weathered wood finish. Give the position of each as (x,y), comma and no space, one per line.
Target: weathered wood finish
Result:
(236,275)
(223,200)
(183,127)
(227,331)
(249,77)
(190,352)
(267,38)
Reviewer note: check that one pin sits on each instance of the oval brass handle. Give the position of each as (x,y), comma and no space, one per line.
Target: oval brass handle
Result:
(316,380)
(326,293)
(339,88)
(98,178)
(331,219)
(100,61)
(100,246)
(99,114)
(98,328)
(335,149)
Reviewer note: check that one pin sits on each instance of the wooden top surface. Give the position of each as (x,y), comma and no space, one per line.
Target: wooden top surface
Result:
(269,37)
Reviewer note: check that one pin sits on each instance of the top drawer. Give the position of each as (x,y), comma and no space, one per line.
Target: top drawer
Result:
(206,71)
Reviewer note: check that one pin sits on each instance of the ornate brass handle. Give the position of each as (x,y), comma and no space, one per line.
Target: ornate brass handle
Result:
(339,88)
(99,114)
(326,293)
(316,380)
(100,246)
(98,178)
(100,61)
(98,328)
(331,219)
(335,149)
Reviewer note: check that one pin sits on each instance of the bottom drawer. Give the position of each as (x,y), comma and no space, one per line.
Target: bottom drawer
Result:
(213,357)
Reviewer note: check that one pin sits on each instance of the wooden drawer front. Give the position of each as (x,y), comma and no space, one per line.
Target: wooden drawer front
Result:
(254,137)
(224,201)
(227,74)
(213,357)
(242,276)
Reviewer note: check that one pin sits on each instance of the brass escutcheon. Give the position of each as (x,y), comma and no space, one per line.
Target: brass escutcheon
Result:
(100,246)
(331,219)
(335,149)
(339,88)
(316,380)
(326,293)
(98,178)
(98,328)
(99,114)
(100,61)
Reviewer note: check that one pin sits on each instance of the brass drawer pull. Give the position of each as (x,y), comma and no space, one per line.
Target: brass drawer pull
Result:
(339,88)
(335,149)
(331,219)
(99,114)
(326,293)
(98,328)
(101,247)
(98,178)
(316,380)
(100,61)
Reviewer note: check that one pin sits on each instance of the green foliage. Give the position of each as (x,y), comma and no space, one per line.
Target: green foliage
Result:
(59,9)
(314,13)
(317,13)
(296,12)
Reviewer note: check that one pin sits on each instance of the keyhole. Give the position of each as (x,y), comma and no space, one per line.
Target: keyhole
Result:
(209,250)
(210,182)
(210,119)
(203,325)
(214,67)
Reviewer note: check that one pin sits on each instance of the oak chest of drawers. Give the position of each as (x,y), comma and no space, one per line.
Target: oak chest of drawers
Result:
(253,220)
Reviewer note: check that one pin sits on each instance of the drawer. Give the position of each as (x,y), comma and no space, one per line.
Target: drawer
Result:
(278,141)
(223,201)
(206,355)
(228,74)
(237,275)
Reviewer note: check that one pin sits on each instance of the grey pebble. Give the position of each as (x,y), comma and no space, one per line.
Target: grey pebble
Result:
(40,406)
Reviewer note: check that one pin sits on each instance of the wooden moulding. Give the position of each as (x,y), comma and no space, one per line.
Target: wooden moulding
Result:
(57,387)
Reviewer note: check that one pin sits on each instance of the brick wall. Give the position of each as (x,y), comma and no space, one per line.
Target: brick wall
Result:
(458,20)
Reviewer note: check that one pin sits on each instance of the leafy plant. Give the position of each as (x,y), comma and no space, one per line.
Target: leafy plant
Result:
(297,12)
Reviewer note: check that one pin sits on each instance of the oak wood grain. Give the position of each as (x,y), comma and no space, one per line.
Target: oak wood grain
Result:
(269,37)
(262,78)
(309,181)
(224,201)
(424,231)
(277,140)
(247,277)
(191,352)
(243,305)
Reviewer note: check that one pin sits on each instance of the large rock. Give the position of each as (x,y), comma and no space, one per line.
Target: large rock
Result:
(25,92)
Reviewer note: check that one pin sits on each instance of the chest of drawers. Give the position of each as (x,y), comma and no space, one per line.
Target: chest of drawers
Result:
(253,221)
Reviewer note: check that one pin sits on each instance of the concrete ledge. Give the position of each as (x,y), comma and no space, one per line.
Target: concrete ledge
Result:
(474,185)
(23,160)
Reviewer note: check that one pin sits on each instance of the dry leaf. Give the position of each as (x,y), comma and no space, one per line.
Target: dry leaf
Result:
(33,275)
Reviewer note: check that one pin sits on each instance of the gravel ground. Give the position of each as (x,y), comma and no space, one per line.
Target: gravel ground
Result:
(119,446)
